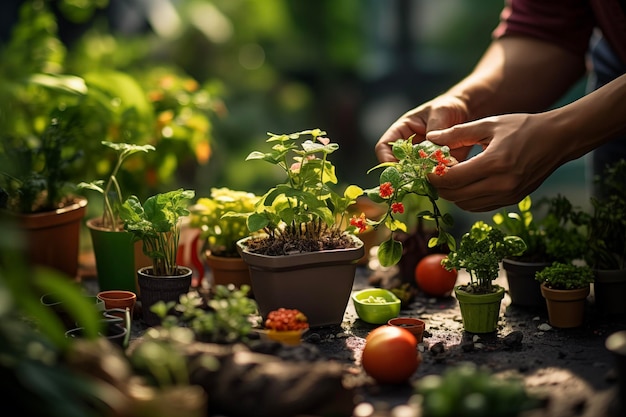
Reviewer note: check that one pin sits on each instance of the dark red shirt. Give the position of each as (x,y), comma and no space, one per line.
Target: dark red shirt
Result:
(567,23)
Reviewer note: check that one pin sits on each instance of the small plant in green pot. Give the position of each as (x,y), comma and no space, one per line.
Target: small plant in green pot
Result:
(565,286)
(117,255)
(157,224)
(221,219)
(303,257)
(480,252)
(552,233)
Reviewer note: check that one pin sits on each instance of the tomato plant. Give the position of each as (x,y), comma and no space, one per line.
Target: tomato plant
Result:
(432,278)
(390,355)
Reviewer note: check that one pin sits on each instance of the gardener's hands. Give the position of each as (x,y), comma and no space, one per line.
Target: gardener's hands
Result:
(518,155)
(439,113)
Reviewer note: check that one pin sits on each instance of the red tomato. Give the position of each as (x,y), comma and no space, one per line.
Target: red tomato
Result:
(390,355)
(433,278)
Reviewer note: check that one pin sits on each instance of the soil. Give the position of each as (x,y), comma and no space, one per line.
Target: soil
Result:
(283,245)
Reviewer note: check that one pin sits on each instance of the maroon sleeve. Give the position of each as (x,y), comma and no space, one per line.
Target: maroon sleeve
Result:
(567,23)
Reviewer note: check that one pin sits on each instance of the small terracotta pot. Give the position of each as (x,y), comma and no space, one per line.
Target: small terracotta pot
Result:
(566,308)
(118,299)
(415,326)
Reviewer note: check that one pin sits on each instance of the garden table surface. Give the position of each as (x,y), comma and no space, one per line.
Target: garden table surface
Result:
(570,368)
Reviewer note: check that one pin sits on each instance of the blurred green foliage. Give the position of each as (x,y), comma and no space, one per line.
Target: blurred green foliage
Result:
(205,80)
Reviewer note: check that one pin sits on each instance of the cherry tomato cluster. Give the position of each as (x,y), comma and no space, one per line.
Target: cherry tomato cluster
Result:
(286,319)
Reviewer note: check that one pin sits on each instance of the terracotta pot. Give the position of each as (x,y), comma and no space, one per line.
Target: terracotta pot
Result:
(480,312)
(524,289)
(117,258)
(316,283)
(156,288)
(414,325)
(53,237)
(227,270)
(118,299)
(610,291)
(566,308)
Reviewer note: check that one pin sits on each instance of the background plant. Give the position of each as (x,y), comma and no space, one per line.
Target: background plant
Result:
(221,232)
(409,176)
(112,193)
(480,252)
(606,225)
(565,276)
(304,208)
(157,224)
(553,230)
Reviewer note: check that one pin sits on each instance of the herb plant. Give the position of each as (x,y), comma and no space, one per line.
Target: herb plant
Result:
(112,193)
(224,318)
(565,276)
(157,224)
(303,214)
(409,176)
(480,252)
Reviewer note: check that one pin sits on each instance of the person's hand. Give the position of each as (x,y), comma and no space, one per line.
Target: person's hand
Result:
(439,113)
(519,152)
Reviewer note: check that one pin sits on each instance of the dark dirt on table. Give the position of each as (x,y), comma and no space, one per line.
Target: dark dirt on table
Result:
(569,369)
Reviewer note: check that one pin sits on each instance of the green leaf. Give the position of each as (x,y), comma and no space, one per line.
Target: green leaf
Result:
(392,175)
(257,221)
(389,252)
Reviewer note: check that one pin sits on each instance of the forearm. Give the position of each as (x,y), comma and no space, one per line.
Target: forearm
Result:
(518,74)
(590,121)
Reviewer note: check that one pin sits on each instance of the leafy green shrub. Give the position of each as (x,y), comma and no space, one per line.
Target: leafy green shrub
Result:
(467,390)
(565,276)
(480,252)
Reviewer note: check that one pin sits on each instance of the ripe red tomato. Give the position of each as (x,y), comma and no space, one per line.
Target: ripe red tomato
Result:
(390,355)
(433,278)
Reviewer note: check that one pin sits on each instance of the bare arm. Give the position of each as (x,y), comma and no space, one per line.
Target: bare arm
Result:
(514,74)
(522,150)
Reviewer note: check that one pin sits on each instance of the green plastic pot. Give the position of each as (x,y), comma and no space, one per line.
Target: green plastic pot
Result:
(480,312)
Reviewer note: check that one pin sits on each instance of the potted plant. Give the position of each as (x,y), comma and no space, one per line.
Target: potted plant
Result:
(480,252)
(551,234)
(606,238)
(407,177)
(36,189)
(565,286)
(157,224)
(117,255)
(221,219)
(303,258)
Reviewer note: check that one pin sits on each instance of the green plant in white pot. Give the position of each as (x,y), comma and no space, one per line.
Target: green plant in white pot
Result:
(157,224)
(565,286)
(303,252)
(480,252)
(221,219)
(117,255)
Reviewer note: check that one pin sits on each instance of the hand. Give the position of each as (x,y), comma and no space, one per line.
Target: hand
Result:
(439,113)
(519,152)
